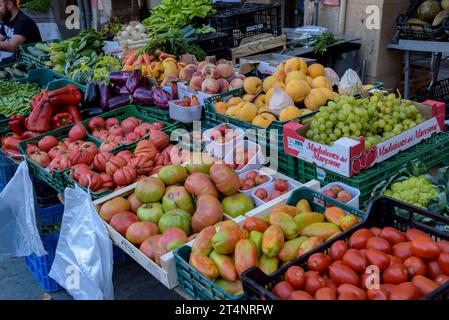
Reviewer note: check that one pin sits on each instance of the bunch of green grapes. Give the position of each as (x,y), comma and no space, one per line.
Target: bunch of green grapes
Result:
(376,118)
(417,191)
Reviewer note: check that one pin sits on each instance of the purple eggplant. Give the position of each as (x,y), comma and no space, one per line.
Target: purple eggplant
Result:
(119,102)
(119,78)
(105,95)
(124,91)
(134,81)
(143,96)
(161,98)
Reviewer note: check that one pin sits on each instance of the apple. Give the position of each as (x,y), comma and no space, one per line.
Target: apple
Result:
(330,193)
(150,212)
(262,194)
(251,175)
(344,196)
(280,185)
(336,188)
(261,179)
(122,221)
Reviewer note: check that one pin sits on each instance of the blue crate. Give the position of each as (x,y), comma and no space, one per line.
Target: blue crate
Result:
(51,215)
(41,266)
(7,170)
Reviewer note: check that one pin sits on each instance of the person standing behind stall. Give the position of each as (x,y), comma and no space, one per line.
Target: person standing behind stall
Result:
(16,29)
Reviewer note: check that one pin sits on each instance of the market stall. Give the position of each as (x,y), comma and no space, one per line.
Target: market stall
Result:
(225,171)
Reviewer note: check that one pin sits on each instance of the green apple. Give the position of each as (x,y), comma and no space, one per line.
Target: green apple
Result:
(150,212)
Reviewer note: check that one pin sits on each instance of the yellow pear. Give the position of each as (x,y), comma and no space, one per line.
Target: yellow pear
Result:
(289,113)
(269,82)
(315,99)
(298,90)
(298,75)
(264,120)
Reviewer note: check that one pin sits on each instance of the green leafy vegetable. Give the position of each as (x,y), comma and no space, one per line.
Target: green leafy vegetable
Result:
(320,43)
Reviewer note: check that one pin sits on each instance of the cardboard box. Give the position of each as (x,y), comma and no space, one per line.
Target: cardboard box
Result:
(348,157)
(166,273)
(265,63)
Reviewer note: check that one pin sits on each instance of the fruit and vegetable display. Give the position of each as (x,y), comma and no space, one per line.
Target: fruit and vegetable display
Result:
(177,203)
(49,110)
(339,193)
(376,118)
(188,102)
(253,179)
(224,253)
(411,265)
(132,36)
(15,97)
(222,134)
(431,13)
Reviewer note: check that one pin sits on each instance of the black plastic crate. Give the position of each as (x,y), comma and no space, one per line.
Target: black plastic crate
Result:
(383,212)
(438,92)
(414,31)
(247,20)
(214,44)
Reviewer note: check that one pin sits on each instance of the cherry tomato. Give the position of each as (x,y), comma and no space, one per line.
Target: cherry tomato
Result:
(425,249)
(433,269)
(424,285)
(296,277)
(395,274)
(325,294)
(443,262)
(337,250)
(415,266)
(341,274)
(359,238)
(402,250)
(379,244)
(282,290)
(300,295)
(377,258)
(361,294)
(404,291)
(392,235)
(415,234)
(319,262)
(355,260)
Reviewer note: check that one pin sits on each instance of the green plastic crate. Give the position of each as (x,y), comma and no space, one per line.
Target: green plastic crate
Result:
(56,180)
(61,83)
(153,112)
(131,111)
(42,77)
(30,60)
(430,152)
(70,183)
(195,284)
(254,133)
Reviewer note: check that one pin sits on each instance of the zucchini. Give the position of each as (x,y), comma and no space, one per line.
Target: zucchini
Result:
(4,75)
(35,52)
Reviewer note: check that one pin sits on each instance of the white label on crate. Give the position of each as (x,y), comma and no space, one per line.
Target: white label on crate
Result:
(295,144)
(320,174)
(255,27)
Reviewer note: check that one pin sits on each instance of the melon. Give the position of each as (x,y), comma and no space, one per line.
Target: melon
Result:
(445,4)
(440,17)
(428,10)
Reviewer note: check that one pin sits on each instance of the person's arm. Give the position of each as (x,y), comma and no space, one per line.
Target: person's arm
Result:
(13,45)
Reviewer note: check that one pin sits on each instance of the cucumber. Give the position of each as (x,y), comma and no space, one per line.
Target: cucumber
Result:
(35,52)
(4,75)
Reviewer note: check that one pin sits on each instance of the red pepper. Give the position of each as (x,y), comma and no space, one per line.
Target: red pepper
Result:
(37,99)
(61,120)
(29,134)
(73,111)
(40,118)
(17,124)
(65,96)
(11,142)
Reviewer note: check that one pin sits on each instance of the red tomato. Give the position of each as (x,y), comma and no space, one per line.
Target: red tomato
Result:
(402,250)
(405,291)
(424,285)
(415,266)
(300,295)
(344,288)
(425,249)
(325,294)
(414,234)
(319,262)
(282,290)
(392,235)
(433,269)
(377,294)
(379,244)
(338,250)
(355,260)
(443,262)
(395,274)
(296,277)
(359,238)
(77,132)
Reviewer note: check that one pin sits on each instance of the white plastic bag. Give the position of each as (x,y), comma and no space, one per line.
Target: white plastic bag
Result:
(279,101)
(18,230)
(84,260)
(333,77)
(350,83)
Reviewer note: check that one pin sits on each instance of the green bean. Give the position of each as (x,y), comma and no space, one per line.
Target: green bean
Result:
(15,97)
